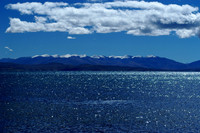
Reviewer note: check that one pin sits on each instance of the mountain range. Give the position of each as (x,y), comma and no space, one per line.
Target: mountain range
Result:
(84,62)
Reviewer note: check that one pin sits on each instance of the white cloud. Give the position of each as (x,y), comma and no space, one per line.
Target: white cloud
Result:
(133,17)
(70,37)
(11,50)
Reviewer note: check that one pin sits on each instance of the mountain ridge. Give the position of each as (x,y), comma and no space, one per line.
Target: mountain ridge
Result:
(145,62)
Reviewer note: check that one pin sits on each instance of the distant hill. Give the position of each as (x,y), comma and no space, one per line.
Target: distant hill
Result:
(83,62)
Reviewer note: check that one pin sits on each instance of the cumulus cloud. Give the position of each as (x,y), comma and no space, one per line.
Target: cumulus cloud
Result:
(133,17)
(11,50)
(70,37)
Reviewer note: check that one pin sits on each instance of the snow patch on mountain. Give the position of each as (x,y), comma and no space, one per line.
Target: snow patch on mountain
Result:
(151,56)
(97,56)
(73,55)
(120,57)
(94,56)
(44,55)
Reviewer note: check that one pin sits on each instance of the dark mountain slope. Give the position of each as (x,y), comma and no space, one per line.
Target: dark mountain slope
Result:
(151,62)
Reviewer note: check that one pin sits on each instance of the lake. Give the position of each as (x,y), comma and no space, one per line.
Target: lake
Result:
(99,102)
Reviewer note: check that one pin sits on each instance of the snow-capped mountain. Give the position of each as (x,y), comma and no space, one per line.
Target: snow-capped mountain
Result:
(152,62)
(94,56)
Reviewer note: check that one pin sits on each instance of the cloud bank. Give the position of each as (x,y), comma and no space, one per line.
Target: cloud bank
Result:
(138,18)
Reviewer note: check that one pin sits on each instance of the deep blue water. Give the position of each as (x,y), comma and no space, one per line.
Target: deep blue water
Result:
(99,102)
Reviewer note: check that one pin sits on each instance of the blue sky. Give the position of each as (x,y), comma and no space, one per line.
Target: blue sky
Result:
(110,30)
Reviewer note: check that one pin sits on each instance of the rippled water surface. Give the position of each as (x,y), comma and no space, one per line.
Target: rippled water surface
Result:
(99,102)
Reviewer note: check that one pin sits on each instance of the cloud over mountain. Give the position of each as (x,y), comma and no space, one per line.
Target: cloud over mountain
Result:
(133,17)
